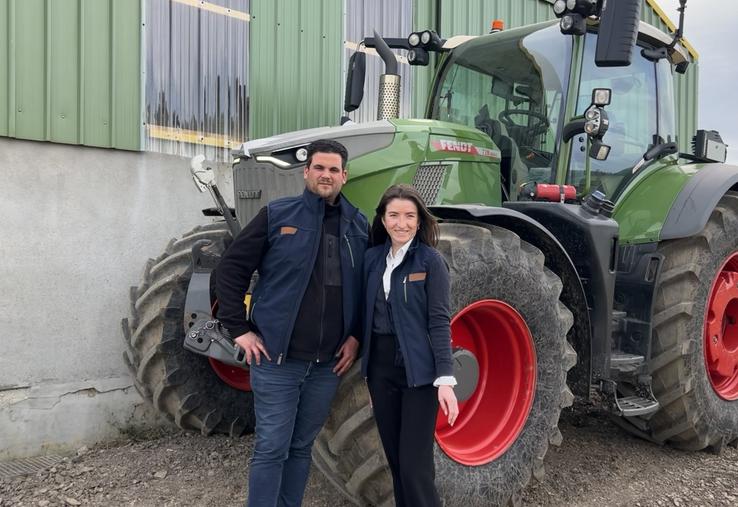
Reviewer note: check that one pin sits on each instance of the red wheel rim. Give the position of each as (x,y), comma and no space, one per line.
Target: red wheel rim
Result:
(237,378)
(721,331)
(493,417)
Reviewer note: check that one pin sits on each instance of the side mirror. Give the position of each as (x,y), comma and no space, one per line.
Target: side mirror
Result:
(355,81)
(203,177)
(619,22)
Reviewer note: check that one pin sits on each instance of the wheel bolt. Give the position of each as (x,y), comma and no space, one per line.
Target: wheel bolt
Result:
(714,339)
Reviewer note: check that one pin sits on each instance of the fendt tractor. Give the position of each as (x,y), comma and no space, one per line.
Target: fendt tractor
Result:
(588,256)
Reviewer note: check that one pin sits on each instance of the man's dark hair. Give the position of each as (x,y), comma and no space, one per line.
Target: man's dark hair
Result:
(327,146)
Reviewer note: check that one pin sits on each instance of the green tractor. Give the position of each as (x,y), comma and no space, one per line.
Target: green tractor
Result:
(588,257)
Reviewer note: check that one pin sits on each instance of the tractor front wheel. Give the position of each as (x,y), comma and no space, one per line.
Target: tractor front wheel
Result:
(191,390)
(509,330)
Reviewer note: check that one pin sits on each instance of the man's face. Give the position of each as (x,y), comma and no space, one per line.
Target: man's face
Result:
(325,176)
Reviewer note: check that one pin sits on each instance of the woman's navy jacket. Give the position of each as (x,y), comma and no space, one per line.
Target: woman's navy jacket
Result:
(419,308)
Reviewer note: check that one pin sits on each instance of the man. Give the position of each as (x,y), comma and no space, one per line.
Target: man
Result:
(304,318)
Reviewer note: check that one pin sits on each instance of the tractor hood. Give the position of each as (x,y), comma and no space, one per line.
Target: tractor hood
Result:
(363,138)
(447,162)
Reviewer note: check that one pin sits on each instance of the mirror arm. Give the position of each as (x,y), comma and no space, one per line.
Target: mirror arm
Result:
(573,128)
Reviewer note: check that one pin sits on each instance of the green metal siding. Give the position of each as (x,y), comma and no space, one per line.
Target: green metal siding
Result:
(71,71)
(296,50)
(4,26)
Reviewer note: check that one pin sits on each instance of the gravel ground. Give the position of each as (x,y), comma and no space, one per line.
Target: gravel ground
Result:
(598,464)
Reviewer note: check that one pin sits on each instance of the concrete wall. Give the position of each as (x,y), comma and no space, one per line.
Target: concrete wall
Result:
(77,225)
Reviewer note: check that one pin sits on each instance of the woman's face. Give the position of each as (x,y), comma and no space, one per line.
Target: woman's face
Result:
(401,220)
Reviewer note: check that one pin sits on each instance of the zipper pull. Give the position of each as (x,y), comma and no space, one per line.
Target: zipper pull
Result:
(351,253)
(404,287)
(279,359)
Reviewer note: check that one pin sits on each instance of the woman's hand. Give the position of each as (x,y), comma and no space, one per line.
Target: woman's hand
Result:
(448,403)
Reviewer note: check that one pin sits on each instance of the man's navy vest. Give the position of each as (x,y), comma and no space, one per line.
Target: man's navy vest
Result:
(294,231)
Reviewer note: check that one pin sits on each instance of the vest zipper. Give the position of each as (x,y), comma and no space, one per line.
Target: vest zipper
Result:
(351,253)
(404,287)
(322,301)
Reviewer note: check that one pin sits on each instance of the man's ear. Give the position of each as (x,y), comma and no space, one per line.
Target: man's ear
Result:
(305,172)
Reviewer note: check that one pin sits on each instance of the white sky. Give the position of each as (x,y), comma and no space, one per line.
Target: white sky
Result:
(711,26)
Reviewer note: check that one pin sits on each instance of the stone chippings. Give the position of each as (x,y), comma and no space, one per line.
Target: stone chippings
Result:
(597,464)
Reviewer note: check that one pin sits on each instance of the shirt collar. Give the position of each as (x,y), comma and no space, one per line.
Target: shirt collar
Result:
(400,251)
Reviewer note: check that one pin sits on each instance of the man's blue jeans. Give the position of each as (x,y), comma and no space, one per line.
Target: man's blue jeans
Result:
(291,402)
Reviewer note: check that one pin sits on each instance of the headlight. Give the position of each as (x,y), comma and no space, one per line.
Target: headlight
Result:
(301,154)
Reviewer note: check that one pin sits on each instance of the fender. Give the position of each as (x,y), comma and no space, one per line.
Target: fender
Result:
(697,199)
(558,261)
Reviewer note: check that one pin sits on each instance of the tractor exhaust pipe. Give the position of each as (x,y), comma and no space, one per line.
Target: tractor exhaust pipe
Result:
(388,103)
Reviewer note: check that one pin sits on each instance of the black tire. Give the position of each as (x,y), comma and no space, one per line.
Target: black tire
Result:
(486,262)
(691,415)
(180,384)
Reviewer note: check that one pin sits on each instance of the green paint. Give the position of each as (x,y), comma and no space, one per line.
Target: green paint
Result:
(71,72)
(642,209)
(469,179)
(295,79)
(30,72)
(4,69)
(63,92)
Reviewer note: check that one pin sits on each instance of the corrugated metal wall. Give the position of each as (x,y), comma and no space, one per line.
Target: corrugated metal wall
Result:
(216,74)
(296,61)
(197,63)
(390,18)
(71,71)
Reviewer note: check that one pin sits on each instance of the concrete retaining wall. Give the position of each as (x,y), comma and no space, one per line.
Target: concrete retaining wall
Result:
(76,227)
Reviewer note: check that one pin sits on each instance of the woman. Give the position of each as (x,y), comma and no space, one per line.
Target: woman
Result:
(407,360)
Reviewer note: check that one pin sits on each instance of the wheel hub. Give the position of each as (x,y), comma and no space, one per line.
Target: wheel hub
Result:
(494,337)
(721,331)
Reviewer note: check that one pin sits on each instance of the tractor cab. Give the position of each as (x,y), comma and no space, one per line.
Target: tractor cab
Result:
(530,90)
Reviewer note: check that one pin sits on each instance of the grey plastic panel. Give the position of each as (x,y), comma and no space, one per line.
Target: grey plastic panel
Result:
(257,183)
(343,134)
(694,204)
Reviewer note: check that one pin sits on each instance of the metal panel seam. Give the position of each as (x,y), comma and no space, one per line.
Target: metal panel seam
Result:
(12,44)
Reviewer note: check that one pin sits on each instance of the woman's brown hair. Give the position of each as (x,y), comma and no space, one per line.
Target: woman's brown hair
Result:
(428,232)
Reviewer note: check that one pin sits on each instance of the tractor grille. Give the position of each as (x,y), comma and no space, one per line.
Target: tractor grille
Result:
(428,180)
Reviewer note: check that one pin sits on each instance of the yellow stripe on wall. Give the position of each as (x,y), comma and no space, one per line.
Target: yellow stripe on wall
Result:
(191,136)
(217,9)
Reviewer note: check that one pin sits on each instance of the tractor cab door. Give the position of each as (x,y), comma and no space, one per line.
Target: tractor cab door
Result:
(641,111)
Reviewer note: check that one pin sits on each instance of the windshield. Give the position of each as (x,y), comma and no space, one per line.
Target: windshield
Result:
(510,85)
(635,118)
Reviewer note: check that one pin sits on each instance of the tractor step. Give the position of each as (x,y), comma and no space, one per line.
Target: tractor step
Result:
(622,362)
(631,406)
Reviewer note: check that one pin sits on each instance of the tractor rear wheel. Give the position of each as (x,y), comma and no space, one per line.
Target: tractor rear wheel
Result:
(695,336)
(193,391)
(509,320)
